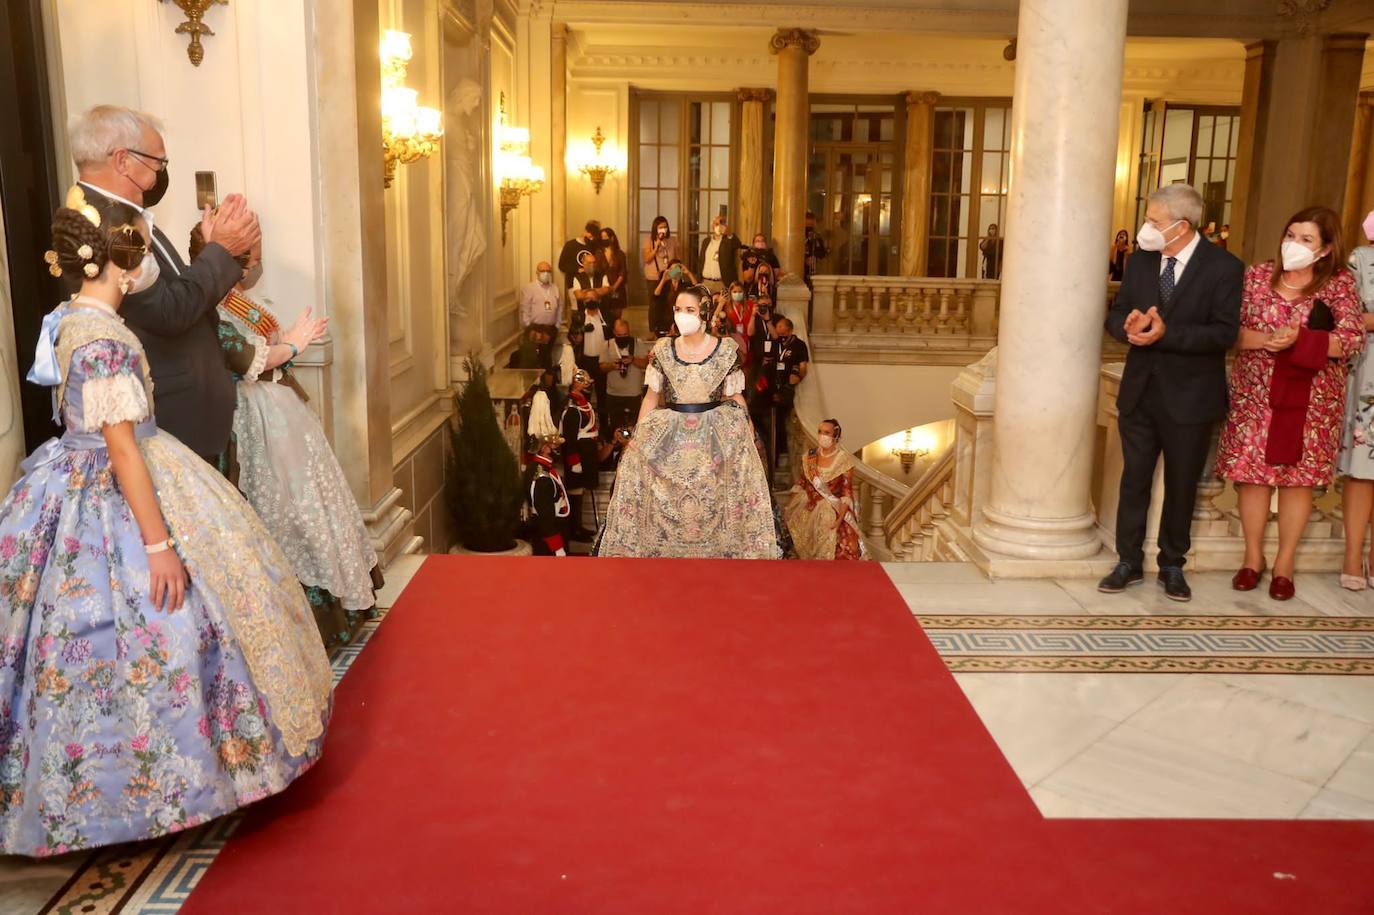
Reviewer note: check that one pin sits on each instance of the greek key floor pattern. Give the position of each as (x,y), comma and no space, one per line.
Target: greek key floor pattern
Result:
(156,877)
(986,643)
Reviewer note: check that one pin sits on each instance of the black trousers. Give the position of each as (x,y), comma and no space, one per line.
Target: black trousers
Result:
(1146,433)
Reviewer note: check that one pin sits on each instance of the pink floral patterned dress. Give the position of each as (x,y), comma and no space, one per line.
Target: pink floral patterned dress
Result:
(1240,453)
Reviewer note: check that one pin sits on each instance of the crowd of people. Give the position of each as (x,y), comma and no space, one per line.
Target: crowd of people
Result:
(713,340)
(1296,408)
(175,563)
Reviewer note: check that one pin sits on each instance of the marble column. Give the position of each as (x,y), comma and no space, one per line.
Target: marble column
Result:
(558,123)
(1302,92)
(1359,180)
(353,243)
(791,141)
(1254,118)
(1064,115)
(749,221)
(11,410)
(920,134)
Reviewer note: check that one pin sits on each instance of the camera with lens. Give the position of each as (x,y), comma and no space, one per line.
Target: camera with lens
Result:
(624,434)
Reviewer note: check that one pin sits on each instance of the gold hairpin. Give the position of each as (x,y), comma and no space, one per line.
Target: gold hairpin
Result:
(76,200)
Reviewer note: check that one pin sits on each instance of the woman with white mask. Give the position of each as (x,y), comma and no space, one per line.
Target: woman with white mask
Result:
(1356,459)
(690,482)
(821,513)
(1300,324)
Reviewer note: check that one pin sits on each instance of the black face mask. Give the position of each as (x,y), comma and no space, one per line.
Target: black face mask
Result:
(153,196)
(625,341)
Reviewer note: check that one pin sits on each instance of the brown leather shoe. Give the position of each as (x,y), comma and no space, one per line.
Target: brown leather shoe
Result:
(1246,579)
(1281,588)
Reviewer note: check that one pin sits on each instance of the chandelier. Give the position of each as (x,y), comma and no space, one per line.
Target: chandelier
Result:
(410,132)
(910,452)
(519,176)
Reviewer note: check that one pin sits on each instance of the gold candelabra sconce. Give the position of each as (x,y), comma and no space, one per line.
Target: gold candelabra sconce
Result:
(910,451)
(518,174)
(410,131)
(195,26)
(595,164)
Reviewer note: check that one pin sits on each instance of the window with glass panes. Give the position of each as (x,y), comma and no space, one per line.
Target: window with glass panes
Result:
(682,164)
(851,186)
(1196,145)
(970,163)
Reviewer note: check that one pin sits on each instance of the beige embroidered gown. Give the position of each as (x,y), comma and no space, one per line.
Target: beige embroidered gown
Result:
(692,485)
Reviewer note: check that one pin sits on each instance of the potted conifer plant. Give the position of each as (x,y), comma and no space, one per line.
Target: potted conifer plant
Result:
(485,495)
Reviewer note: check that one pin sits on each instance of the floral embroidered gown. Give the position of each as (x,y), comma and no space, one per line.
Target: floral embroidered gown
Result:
(287,471)
(692,485)
(119,721)
(817,500)
(1240,450)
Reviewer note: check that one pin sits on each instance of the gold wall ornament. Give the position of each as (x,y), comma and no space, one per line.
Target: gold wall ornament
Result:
(807,40)
(410,131)
(597,166)
(194,25)
(909,452)
(1303,13)
(518,174)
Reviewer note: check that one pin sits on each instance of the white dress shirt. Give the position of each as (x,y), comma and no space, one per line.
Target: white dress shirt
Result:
(1183,257)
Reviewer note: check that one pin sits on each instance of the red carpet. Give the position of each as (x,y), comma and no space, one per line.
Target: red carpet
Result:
(733,737)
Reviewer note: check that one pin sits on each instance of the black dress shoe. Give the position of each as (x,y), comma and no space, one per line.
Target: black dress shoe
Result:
(1175,585)
(1122,576)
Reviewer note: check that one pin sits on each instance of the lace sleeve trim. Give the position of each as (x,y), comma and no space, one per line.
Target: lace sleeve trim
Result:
(734,384)
(111,400)
(653,376)
(260,351)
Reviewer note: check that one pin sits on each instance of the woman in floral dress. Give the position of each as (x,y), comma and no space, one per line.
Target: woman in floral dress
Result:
(1357,445)
(690,483)
(133,702)
(1278,301)
(820,514)
(281,461)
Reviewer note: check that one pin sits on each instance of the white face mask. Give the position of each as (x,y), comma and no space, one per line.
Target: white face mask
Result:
(1296,255)
(147,275)
(687,323)
(545,277)
(718,231)
(1151,239)
(827,441)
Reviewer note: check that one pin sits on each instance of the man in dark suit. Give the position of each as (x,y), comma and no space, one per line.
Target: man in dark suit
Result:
(120,157)
(1179,309)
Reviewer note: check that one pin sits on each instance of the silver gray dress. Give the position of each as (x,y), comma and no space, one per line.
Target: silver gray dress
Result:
(1357,441)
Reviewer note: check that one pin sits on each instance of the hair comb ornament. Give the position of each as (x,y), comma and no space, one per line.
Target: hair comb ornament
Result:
(50,258)
(91,270)
(76,200)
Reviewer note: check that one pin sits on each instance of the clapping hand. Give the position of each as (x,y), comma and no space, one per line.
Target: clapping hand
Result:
(1283,338)
(233,226)
(1148,328)
(306,330)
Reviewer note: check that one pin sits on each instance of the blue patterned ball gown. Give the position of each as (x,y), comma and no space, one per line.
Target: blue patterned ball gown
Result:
(119,720)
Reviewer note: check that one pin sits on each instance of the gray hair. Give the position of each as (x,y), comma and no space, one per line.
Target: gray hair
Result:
(1182,201)
(95,135)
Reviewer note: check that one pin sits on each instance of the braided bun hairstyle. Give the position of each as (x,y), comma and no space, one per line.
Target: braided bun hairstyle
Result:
(82,249)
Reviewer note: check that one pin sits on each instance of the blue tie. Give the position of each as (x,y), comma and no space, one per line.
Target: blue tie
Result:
(1166,282)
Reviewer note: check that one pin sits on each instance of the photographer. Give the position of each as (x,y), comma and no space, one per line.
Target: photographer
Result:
(623,368)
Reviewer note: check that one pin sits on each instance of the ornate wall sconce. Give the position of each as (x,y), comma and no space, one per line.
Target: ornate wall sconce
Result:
(909,453)
(597,166)
(519,176)
(195,11)
(410,132)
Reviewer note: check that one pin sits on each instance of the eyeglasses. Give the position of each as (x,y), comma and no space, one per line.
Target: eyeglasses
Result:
(162,161)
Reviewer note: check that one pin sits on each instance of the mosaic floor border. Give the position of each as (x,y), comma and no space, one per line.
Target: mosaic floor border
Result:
(1153,644)
(156,877)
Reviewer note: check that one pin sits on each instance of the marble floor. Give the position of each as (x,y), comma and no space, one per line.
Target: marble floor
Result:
(1269,746)
(1264,746)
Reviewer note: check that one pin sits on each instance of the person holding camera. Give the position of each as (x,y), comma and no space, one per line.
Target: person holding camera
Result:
(623,367)
(659,251)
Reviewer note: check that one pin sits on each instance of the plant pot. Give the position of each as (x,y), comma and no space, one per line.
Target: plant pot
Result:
(521,548)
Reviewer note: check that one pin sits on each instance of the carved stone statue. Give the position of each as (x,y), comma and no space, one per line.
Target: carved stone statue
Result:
(467,232)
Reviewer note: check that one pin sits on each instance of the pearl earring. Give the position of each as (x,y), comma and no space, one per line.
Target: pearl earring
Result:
(125,284)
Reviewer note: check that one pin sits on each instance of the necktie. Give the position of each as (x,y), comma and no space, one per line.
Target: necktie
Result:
(1166,282)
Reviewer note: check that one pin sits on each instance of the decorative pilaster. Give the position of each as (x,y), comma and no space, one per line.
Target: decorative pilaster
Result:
(1359,180)
(749,221)
(1069,63)
(793,48)
(920,134)
(558,123)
